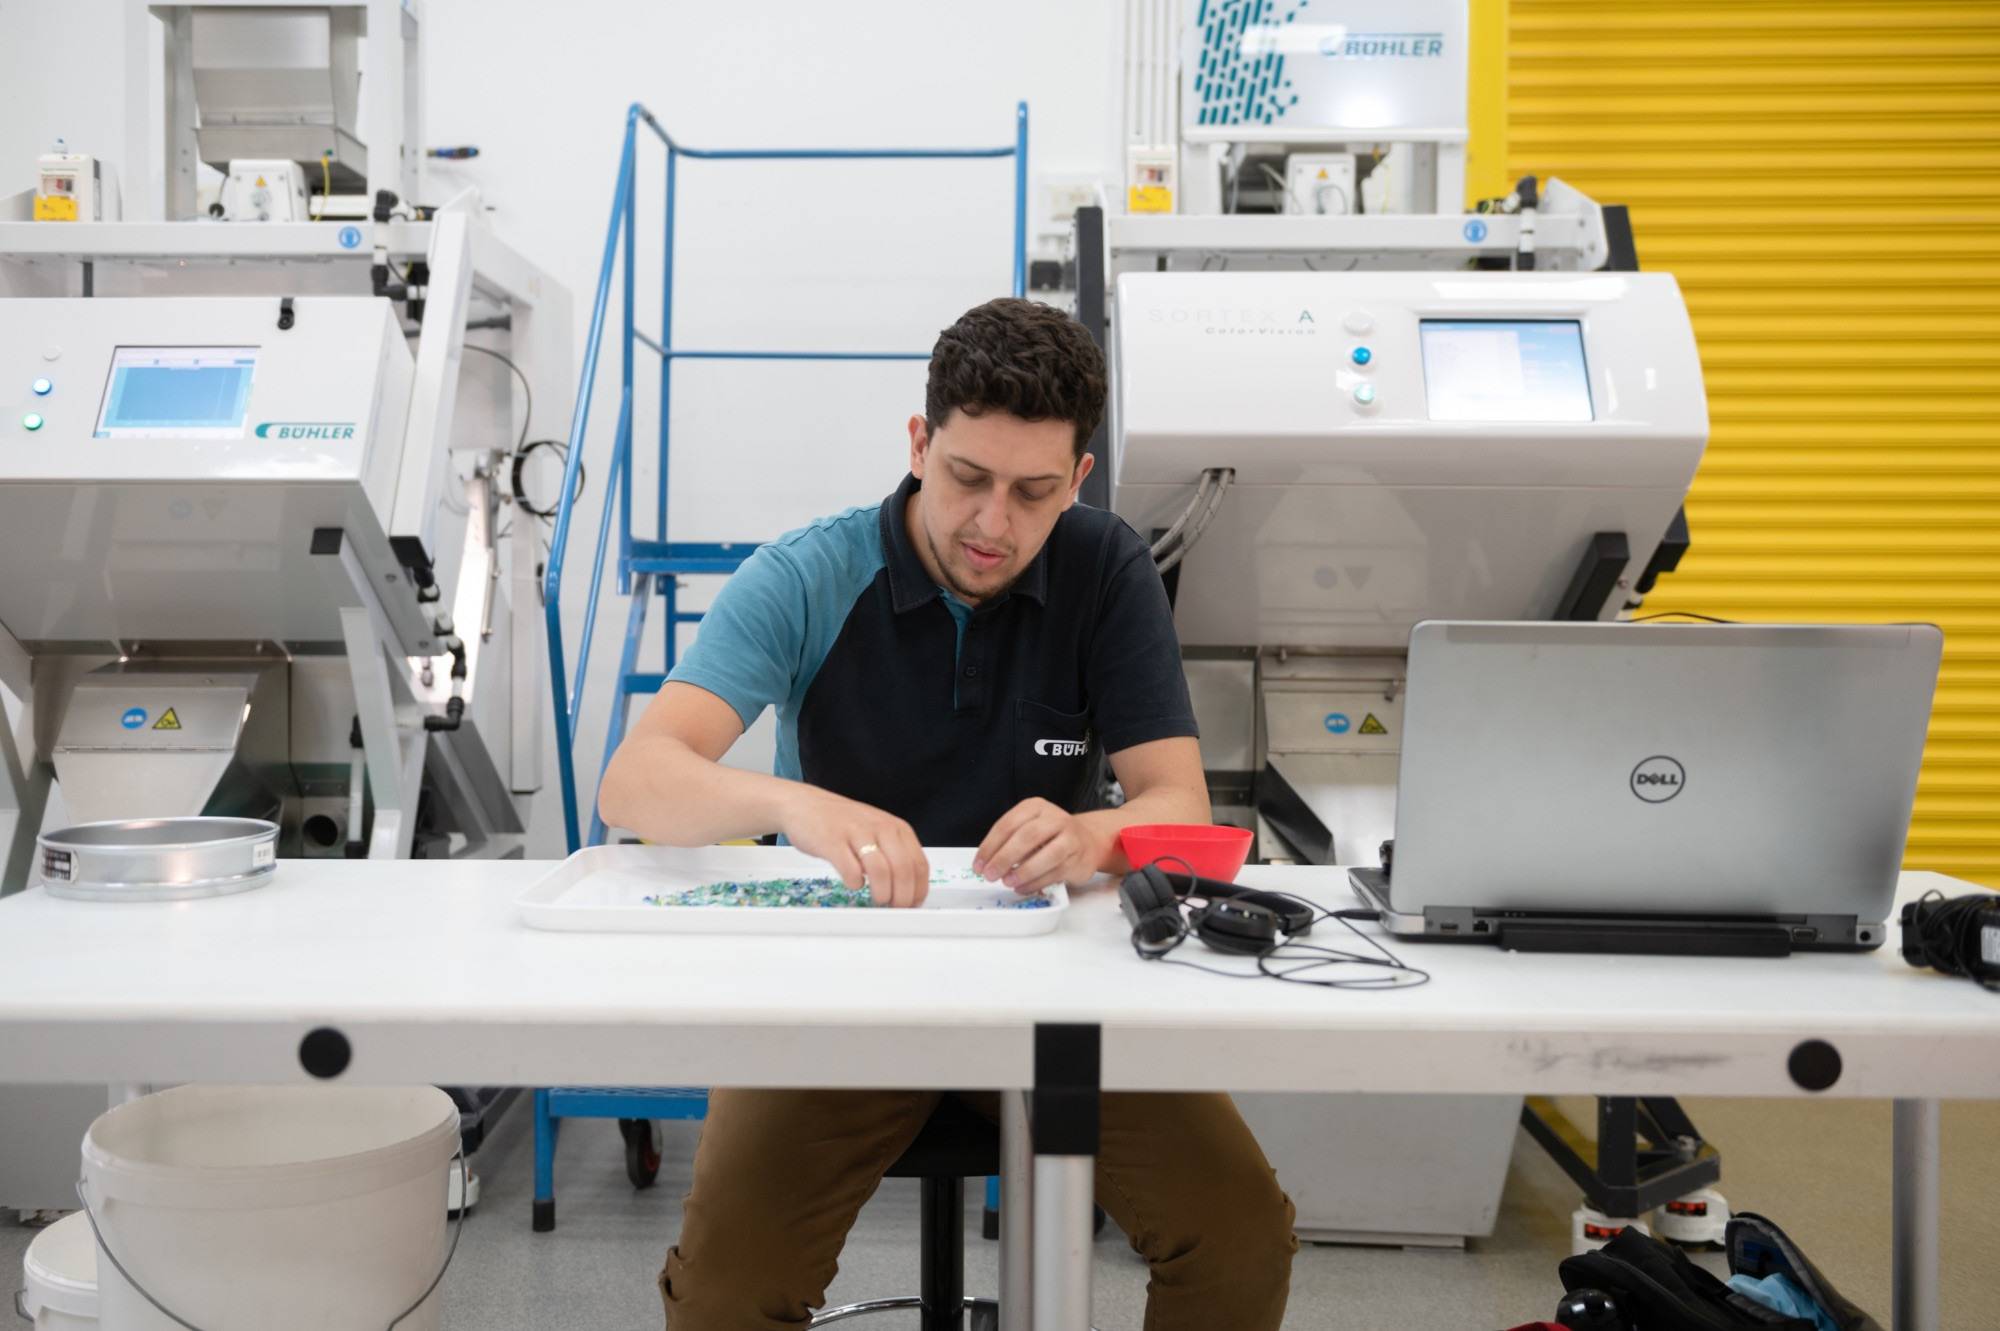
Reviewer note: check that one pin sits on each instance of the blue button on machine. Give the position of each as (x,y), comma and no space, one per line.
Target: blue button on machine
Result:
(42,387)
(1362,355)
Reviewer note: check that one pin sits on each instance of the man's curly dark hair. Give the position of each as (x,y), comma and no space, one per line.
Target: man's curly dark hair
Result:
(1022,357)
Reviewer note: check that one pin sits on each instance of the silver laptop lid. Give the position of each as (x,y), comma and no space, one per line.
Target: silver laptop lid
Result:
(1661,768)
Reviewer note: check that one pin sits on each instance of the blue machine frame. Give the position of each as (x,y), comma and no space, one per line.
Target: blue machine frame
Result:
(649,567)
(556,1103)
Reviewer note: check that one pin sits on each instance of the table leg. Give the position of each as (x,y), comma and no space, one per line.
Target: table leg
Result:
(1065,1131)
(1016,1214)
(1915,1231)
(1063,1200)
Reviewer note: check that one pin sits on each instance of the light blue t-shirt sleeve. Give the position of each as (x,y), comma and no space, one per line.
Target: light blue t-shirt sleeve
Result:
(750,648)
(1782,1294)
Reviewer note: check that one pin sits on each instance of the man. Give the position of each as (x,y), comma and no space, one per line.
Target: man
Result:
(921,653)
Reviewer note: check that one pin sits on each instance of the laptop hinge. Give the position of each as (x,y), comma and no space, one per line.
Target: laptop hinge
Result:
(1648,939)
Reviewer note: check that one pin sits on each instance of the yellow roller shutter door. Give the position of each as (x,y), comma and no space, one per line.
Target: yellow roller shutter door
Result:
(1824,180)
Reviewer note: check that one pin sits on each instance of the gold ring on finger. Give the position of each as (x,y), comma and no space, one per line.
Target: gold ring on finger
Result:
(870,849)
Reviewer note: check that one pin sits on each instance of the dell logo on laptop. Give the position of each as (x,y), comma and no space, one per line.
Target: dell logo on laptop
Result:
(1658,779)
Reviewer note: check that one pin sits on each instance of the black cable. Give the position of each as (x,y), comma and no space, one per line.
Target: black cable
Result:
(522,448)
(1679,614)
(520,465)
(1402,976)
(1305,956)
(1956,935)
(528,408)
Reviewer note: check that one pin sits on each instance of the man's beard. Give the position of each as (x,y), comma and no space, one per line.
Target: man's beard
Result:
(971,596)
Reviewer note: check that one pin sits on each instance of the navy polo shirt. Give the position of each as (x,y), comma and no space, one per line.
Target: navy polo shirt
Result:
(884,698)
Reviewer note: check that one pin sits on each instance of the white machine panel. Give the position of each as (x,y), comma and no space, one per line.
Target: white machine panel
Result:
(164,462)
(1406,445)
(1325,70)
(203,388)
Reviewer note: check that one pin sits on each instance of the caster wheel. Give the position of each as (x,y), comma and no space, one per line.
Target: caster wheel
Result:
(642,1150)
(1697,1221)
(1591,1229)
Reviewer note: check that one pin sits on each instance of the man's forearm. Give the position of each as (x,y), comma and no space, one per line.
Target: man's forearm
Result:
(666,792)
(1162,804)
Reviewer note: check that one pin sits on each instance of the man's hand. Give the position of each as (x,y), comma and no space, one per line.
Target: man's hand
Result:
(865,844)
(1036,844)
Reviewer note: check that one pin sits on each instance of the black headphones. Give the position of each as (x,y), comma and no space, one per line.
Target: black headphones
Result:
(1228,918)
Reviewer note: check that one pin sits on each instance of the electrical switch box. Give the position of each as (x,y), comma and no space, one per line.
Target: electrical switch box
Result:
(1319,184)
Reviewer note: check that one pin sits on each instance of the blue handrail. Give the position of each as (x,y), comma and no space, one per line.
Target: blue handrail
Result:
(659,560)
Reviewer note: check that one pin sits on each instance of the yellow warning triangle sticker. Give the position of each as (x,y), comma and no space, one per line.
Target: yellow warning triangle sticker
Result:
(260,181)
(168,721)
(1370,726)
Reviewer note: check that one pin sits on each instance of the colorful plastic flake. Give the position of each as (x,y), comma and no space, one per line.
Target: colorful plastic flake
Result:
(810,892)
(824,893)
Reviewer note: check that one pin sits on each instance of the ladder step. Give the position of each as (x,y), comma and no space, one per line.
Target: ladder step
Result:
(688,556)
(683,566)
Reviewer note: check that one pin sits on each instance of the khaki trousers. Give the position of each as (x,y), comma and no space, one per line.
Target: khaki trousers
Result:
(779,1177)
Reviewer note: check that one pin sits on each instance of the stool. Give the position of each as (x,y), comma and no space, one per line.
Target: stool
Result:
(955,1144)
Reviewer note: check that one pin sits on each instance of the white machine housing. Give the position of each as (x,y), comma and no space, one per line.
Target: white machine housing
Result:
(1325,71)
(159,538)
(1327,174)
(334,87)
(1230,95)
(1352,515)
(1351,519)
(225,615)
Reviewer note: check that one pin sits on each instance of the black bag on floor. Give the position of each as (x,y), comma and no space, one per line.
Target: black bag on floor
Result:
(1657,1288)
(1759,1248)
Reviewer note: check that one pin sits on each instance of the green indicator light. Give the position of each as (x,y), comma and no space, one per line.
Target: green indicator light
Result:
(32,420)
(1365,394)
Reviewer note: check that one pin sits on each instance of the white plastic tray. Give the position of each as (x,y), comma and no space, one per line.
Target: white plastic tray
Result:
(602,889)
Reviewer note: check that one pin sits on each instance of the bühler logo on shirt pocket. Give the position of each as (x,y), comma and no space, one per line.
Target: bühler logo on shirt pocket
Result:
(1062,748)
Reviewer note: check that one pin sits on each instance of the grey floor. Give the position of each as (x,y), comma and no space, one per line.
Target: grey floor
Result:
(1819,1168)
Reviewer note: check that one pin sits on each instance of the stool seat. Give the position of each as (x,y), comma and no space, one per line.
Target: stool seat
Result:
(954,1142)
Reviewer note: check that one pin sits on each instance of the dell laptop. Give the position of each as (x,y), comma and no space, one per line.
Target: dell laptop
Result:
(1656,787)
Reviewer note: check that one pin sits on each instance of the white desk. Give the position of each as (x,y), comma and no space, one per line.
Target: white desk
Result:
(428,972)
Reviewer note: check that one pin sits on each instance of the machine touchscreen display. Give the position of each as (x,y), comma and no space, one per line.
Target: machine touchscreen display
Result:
(1505,370)
(177,393)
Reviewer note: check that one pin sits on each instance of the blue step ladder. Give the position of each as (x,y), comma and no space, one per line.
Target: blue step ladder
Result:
(653,567)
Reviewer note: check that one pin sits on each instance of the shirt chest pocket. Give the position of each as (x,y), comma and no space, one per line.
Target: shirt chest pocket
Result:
(1054,757)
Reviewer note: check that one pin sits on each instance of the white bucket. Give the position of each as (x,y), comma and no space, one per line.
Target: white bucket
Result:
(60,1276)
(244,1208)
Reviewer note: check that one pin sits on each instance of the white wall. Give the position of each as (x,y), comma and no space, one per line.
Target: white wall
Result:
(773,256)
(63,67)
